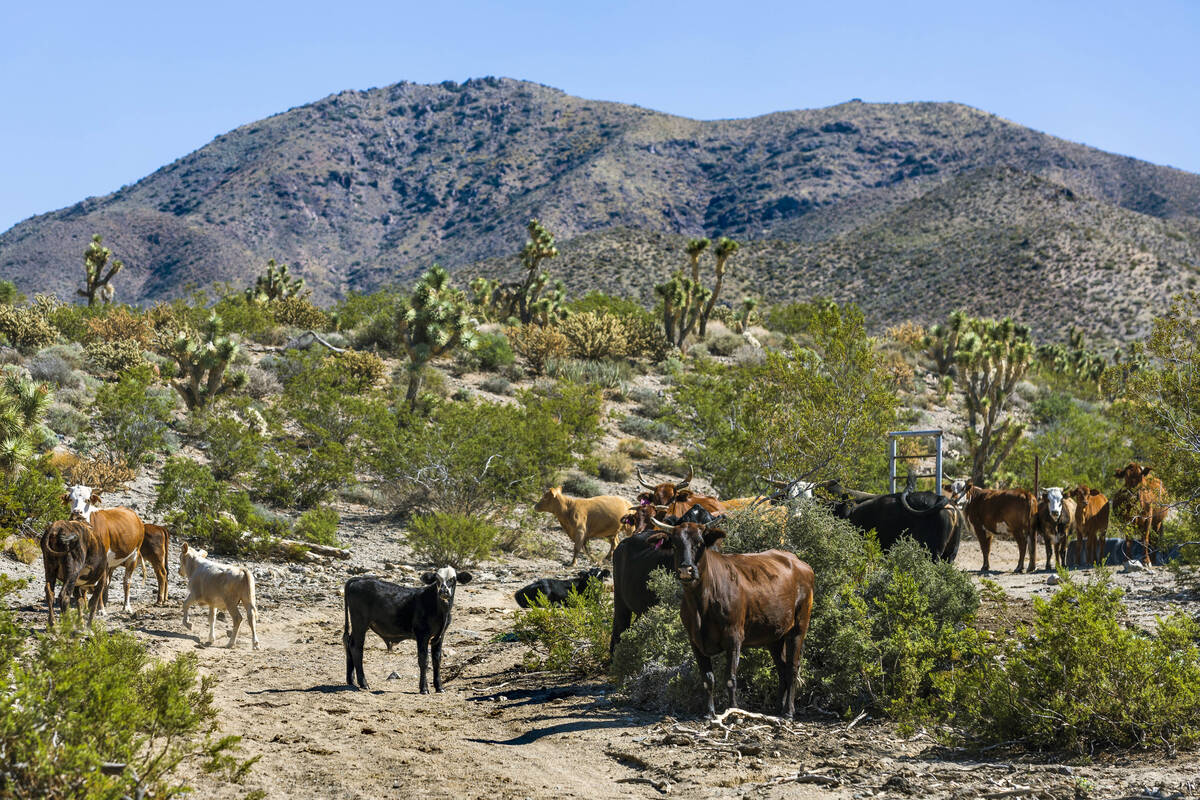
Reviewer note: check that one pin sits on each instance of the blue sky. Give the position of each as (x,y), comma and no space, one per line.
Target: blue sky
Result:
(98,95)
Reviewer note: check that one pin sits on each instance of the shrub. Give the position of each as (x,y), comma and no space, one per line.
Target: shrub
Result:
(575,408)
(459,540)
(538,345)
(10,355)
(569,638)
(492,351)
(646,428)
(749,356)
(28,328)
(207,513)
(235,436)
(52,368)
(319,526)
(645,338)
(634,448)
(35,493)
(298,312)
(261,384)
(601,303)
(615,467)
(650,403)
(115,356)
(359,370)
(357,308)
(102,471)
(594,336)
(724,343)
(580,485)
(133,421)
(119,324)
(74,702)
(65,420)
(603,374)
(377,332)
(496,385)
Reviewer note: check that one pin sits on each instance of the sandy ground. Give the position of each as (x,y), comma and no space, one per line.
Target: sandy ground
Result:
(499,732)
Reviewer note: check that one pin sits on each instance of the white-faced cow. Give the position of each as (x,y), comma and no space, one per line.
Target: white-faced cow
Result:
(119,529)
(397,613)
(218,586)
(1055,523)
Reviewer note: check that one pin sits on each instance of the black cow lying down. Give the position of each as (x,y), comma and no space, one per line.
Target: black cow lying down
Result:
(556,590)
(397,613)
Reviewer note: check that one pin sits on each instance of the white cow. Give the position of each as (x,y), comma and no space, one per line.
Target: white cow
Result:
(218,586)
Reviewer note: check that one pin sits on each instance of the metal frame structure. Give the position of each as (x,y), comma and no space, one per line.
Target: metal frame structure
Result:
(936,455)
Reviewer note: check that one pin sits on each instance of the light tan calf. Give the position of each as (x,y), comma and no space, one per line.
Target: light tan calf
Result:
(218,586)
(585,518)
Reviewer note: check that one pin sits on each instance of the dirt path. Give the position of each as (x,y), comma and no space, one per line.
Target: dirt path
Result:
(498,732)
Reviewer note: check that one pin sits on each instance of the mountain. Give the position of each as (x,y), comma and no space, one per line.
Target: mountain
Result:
(910,209)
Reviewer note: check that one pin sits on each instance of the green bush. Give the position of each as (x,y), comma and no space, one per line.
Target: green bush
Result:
(132,419)
(646,428)
(1079,679)
(34,494)
(319,526)
(569,638)
(492,351)
(603,374)
(235,436)
(580,485)
(723,344)
(615,467)
(208,513)
(459,540)
(496,384)
(575,408)
(73,702)
(66,420)
(359,370)
(116,356)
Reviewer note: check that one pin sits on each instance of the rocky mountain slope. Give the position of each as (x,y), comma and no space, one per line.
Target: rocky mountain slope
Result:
(913,207)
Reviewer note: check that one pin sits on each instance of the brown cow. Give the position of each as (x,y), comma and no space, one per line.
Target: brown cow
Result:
(1007,511)
(662,494)
(155,546)
(72,555)
(120,531)
(1142,503)
(1091,521)
(736,601)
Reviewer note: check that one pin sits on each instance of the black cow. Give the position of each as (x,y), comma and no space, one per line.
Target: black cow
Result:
(635,558)
(924,516)
(397,613)
(556,590)
(74,556)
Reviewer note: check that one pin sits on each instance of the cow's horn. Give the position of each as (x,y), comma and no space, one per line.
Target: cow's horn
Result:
(663,509)
(662,526)
(642,480)
(683,483)
(778,484)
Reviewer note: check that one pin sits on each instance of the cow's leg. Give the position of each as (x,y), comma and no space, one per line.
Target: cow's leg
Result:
(423,661)
(251,614)
(1048,541)
(187,604)
(236,616)
(985,546)
(578,541)
(781,669)
(1022,541)
(129,565)
(612,547)
(212,622)
(97,594)
(622,617)
(1146,539)
(160,572)
(706,672)
(437,664)
(735,657)
(50,601)
(793,649)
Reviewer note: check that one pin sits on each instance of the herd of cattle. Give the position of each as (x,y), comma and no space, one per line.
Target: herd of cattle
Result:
(730,601)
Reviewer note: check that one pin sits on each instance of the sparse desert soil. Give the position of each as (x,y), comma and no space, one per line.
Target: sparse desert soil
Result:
(500,732)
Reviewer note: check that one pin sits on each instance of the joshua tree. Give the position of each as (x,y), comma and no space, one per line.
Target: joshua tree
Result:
(431,322)
(520,300)
(96,280)
(683,299)
(22,404)
(723,250)
(695,248)
(201,364)
(275,283)
(942,342)
(992,357)
(744,315)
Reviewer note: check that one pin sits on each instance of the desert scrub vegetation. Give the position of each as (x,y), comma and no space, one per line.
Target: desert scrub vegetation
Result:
(569,638)
(460,540)
(539,345)
(74,703)
(133,418)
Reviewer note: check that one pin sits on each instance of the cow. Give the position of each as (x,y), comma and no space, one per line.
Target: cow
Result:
(733,601)
(556,590)
(1055,522)
(635,558)
(1142,503)
(218,586)
(72,555)
(155,545)
(1092,511)
(120,530)
(585,518)
(924,516)
(400,612)
(1008,511)
(675,498)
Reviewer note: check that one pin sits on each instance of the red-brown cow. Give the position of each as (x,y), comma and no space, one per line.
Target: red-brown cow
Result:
(1091,521)
(736,601)
(120,531)
(155,545)
(1143,504)
(1007,511)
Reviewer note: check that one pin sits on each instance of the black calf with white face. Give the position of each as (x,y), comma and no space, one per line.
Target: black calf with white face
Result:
(687,543)
(396,613)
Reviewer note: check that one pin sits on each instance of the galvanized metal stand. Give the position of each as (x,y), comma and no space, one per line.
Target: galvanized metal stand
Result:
(936,455)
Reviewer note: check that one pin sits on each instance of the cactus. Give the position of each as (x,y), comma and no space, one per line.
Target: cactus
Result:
(683,300)
(992,356)
(723,251)
(595,336)
(28,328)
(431,322)
(1074,359)
(942,343)
(275,283)
(538,344)
(201,365)
(22,405)
(96,280)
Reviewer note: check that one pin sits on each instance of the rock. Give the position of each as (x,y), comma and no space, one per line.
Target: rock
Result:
(1133,566)
(1052,580)
(395,676)
(356,569)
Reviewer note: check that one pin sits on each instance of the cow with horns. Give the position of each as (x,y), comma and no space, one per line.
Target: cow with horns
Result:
(675,499)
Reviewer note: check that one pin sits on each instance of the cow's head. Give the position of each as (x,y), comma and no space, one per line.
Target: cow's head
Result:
(1054,499)
(662,494)
(188,557)
(552,500)
(1133,474)
(598,573)
(81,501)
(445,579)
(687,543)
(795,490)
(955,489)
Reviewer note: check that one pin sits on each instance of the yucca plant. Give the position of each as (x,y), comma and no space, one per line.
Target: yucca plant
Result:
(96,279)
(275,283)
(22,406)
(201,364)
(430,323)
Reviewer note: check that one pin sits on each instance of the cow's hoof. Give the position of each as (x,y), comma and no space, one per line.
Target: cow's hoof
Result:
(425,690)
(254,646)
(438,690)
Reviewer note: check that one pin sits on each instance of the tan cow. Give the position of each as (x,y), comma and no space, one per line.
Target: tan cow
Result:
(119,529)
(1142,503)
(1091,521)
(218,586)
(585,518)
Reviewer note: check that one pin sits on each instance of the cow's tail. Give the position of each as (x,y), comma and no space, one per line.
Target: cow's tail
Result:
(346,614)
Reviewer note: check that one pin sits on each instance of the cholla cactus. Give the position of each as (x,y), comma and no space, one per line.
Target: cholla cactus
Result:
(595,335)
(96,280)
(431,322)
(276,283)
(745,315)
(992,356)
(201,365)
(22,405)
(683,301)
